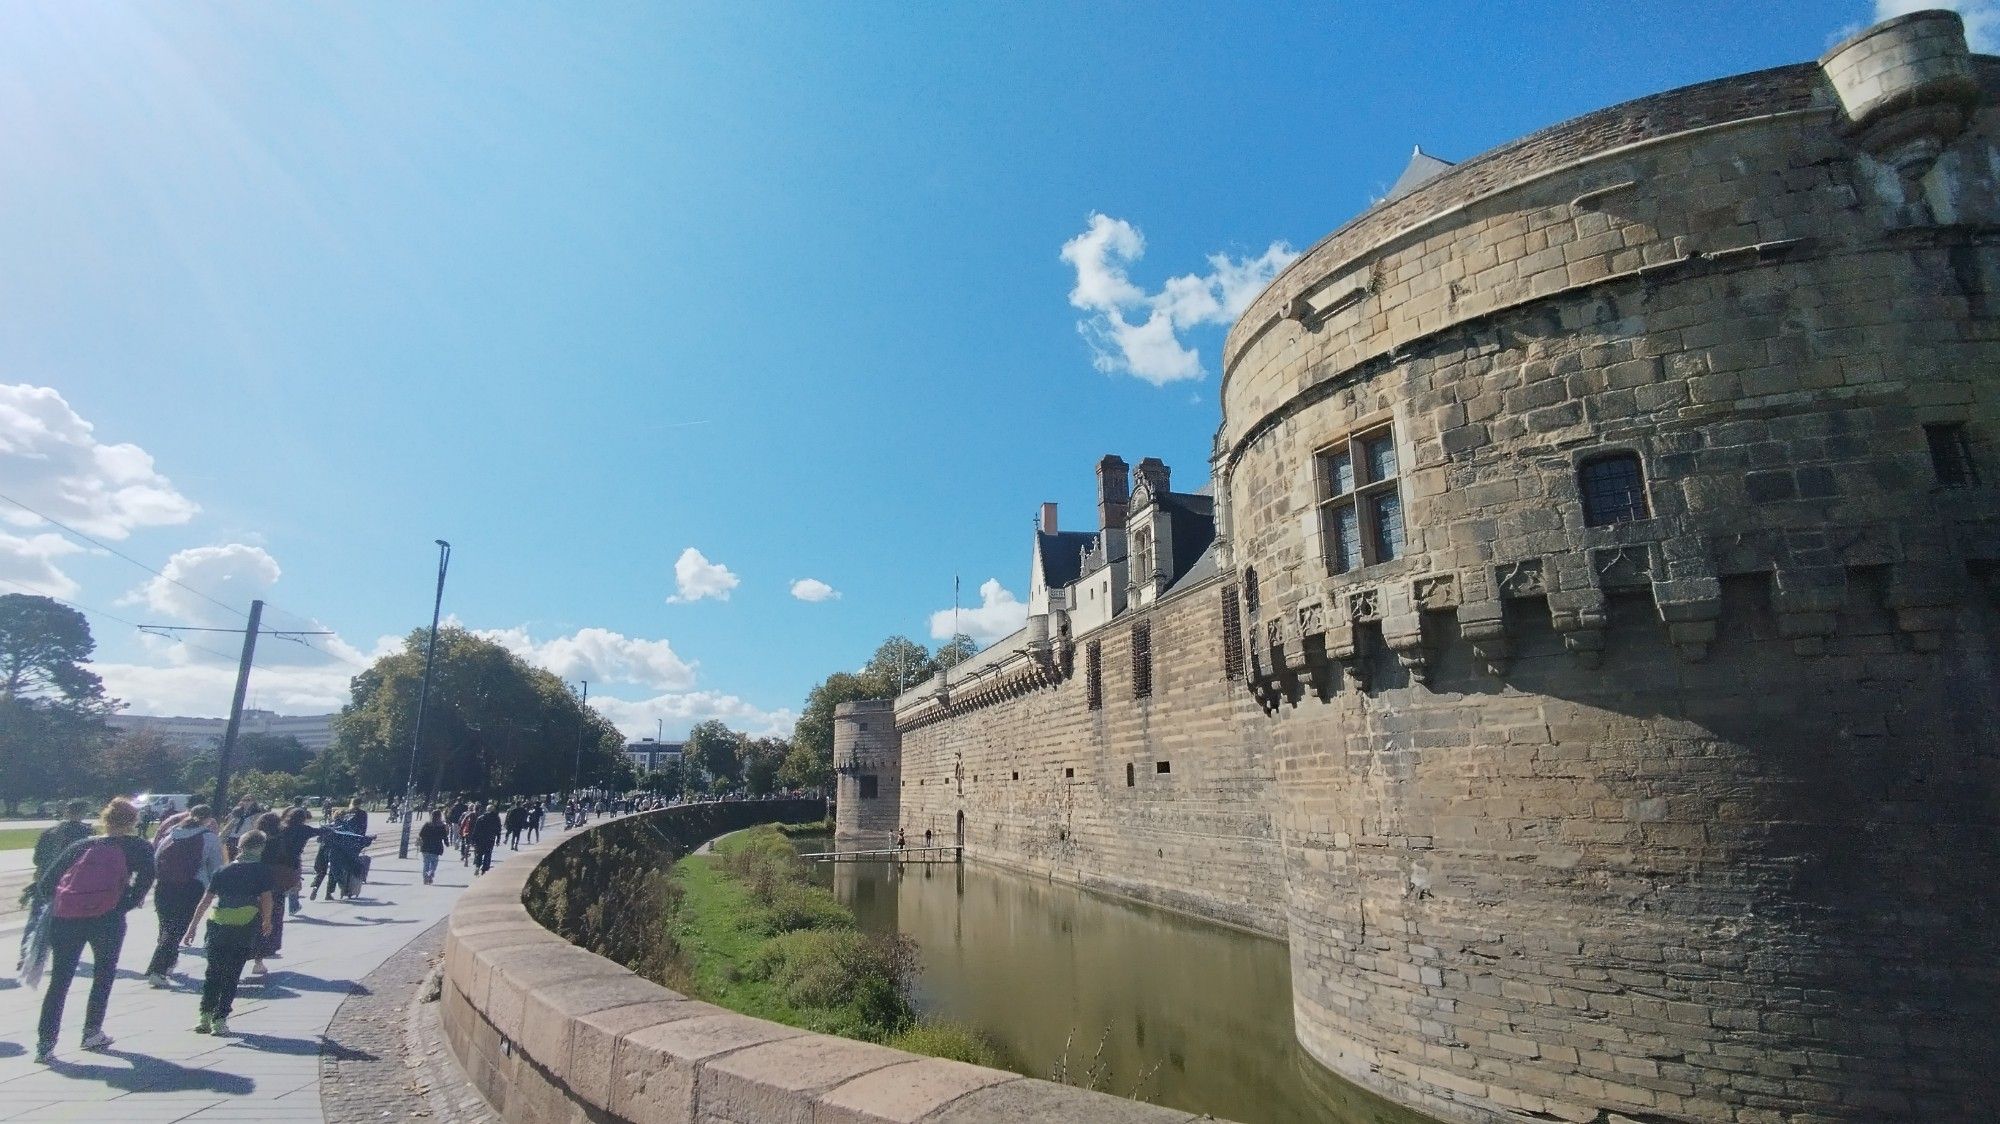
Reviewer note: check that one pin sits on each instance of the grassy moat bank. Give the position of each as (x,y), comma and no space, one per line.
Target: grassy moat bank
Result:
(752,933)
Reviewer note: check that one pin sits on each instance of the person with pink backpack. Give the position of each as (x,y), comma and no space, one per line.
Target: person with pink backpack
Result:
(90,888)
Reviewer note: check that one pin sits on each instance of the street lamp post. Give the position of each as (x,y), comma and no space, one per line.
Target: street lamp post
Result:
(582,724)
(423,699)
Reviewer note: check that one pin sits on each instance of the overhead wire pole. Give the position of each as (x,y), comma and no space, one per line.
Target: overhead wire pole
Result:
(423,700)
(251,630)
(582,724)
(236,706)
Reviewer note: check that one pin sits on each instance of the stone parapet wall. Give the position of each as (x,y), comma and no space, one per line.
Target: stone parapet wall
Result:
(1041,777)
(550,1032)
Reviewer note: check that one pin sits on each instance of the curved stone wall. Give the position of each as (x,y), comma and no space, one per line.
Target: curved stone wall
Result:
(550,1032)
(1682,816)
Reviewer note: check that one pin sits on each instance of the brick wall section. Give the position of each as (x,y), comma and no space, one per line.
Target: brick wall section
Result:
(550,1032)
(865,744)
(1689,817)
(1198,839)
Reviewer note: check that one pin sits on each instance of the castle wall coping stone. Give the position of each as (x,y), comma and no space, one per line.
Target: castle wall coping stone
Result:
(553,1032)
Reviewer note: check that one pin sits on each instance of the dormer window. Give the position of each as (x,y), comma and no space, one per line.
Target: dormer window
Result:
(1142,555)
(1361,506)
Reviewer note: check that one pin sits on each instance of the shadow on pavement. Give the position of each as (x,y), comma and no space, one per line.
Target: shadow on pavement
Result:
(357,923)
(286,980)
(155,1075)
(12,1049)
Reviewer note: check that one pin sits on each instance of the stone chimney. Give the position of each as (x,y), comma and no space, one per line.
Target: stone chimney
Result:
(1113,493)
(1048,519)
(1154,472)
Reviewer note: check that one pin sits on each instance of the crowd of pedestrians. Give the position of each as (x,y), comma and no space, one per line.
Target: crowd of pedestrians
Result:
(226,883)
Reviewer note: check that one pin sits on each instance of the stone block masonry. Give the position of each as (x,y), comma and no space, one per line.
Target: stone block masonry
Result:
(1166,799)
(1615,523)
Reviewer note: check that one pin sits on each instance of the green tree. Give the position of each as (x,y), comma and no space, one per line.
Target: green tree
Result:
(493,725)
(52,707)
(716,750)
(804,769)
(140,761)
(898,664)
(670,779)
(762,758)
(956,651)
(271,753)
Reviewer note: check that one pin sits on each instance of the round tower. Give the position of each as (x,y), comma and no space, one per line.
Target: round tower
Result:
(1617,515)
(868,763)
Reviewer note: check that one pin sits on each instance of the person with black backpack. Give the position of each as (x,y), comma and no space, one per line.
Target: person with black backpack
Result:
(90,888)
(185,857)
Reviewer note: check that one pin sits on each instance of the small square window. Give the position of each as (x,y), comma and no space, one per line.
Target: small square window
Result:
(1069,774)
(1017,774)
(1613,488)
(1163,766)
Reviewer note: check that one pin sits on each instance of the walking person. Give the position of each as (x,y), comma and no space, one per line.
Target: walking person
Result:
(185,857)
(516,823)
(90,888)
(48,845)
(242,819)
(485,835)
(430,842)
(284,848)
(244,899)
(535,813)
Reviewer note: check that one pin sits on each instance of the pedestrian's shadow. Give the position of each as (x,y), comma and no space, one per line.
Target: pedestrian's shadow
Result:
(322,1047)
(299,981)
(155,1075)
(357,923)
(11,1049)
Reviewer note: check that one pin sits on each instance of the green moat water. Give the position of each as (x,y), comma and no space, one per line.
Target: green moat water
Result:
(1193,1015)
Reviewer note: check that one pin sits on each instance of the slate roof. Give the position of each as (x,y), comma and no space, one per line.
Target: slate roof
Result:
(1062,555)
(1422,168)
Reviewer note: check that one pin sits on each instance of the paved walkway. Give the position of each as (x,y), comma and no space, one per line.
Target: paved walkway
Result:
(159,1070)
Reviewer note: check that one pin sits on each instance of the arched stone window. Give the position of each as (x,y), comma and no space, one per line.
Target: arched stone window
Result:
(1613,486)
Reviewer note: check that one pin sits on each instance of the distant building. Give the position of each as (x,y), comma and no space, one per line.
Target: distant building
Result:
(314,731)
(649,754)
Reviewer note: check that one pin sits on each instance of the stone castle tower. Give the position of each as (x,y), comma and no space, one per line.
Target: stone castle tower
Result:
(1606,532)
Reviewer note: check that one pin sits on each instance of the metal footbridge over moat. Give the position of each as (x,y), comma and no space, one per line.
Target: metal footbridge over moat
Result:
(942,854)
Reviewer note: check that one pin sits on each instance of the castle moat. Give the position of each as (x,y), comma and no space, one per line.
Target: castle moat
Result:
(1192,1015)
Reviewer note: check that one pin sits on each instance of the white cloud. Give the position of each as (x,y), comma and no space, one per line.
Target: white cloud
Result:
(199,681)
(1151,347)
(30,564)
(1982,18)
(813,589)
(607,658)
(601,656)
(51,460)
(640,718)
(998,614)
(697,578)
(234,574)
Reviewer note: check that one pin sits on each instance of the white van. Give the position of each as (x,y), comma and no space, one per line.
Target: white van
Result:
(160,805)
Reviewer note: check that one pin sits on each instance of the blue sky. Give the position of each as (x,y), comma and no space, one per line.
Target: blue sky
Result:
(289,291)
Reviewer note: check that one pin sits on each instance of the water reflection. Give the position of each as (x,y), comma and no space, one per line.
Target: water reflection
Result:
(1190,1014)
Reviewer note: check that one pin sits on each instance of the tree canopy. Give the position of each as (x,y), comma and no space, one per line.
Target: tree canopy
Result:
(493,724)
(52,707)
